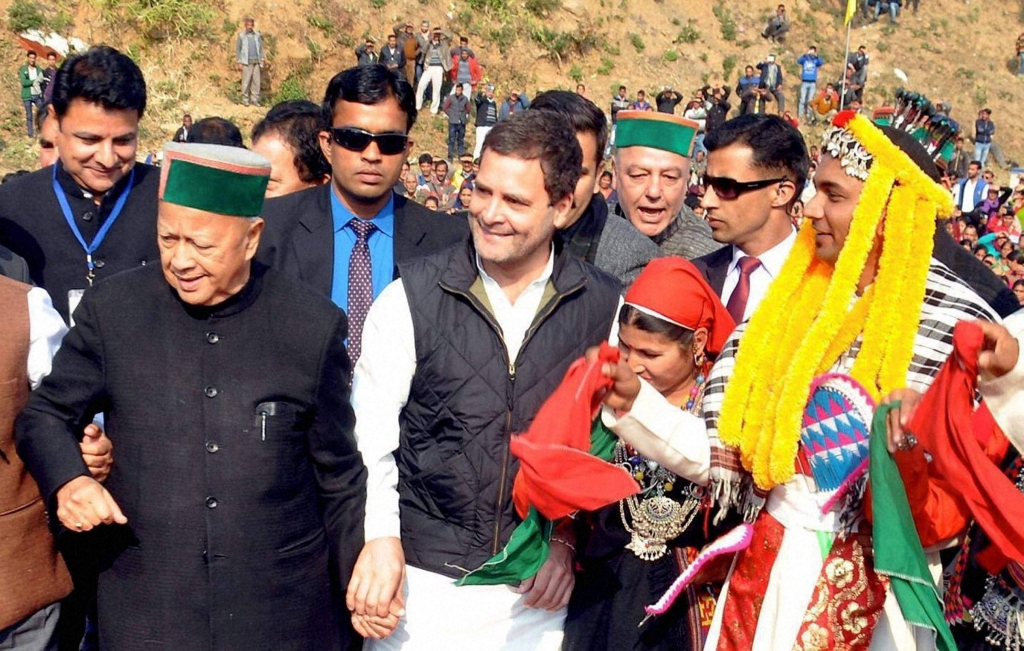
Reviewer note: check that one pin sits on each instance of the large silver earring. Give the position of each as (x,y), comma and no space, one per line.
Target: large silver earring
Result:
(698,357)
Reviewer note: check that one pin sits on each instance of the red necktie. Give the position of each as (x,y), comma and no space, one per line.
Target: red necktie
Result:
(738,301)
(360,286)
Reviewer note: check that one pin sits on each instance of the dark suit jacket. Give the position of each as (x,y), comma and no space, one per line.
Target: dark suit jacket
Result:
(714,266)
(979,277)
(299,236)
(250,504)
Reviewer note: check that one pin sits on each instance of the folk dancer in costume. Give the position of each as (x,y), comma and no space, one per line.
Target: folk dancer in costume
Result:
(668,341)
(861,297)
(236,499)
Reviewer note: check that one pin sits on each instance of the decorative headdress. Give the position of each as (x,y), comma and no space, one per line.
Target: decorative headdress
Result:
(928,123)
(805,322)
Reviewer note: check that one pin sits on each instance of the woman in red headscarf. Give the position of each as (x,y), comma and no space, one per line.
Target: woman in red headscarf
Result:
(671,327)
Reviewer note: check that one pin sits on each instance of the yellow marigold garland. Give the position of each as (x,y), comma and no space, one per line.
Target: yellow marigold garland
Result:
(765,398)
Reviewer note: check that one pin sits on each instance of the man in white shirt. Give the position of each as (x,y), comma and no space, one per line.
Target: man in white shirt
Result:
(757,165)
(969,192)
(457,356)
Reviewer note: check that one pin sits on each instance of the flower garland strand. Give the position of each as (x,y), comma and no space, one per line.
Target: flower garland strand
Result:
(775,364)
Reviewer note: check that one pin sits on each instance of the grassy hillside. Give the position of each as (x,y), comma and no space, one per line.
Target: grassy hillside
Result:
(953,51)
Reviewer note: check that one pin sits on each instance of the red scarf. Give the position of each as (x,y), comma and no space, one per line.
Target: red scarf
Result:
(945,423)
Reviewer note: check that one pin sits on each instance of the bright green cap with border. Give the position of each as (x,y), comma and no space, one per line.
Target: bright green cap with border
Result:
(214,178)
(656,130)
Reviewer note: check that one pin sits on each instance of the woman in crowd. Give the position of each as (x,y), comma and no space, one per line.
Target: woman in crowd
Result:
(606,187)
(462,200)
(671,328)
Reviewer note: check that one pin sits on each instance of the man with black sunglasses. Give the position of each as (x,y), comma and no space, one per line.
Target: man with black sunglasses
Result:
(756,169)
(348,237)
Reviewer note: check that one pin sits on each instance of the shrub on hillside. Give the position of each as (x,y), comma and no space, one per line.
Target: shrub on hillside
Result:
(24,15)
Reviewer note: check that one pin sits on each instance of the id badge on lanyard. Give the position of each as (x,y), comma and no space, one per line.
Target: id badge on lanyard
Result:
(89,247)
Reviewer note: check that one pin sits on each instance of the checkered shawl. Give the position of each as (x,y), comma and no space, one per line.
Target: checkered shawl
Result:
(947,301)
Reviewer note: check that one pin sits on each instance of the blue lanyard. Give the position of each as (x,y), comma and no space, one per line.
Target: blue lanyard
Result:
(91,247)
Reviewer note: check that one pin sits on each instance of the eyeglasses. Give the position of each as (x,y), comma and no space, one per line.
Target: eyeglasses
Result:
(354,139)
(728,189)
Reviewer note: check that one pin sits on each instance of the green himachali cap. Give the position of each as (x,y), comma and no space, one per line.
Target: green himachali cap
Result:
(656,130)
(214,178)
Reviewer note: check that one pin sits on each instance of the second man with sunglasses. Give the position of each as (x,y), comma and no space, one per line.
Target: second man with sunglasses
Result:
(757,165)
(347,238)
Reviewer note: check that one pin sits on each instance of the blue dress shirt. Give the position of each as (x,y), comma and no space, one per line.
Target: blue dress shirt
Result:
(381,243)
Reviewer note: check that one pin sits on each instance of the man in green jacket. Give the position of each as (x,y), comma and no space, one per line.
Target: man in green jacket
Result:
(31,77)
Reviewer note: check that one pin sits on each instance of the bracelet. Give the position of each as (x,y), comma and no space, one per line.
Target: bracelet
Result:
(565,542)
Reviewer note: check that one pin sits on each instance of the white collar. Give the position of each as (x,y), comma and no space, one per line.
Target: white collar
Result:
(771,260)
(543,278)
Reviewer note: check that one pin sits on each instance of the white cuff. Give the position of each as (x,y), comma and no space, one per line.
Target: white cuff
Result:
(660,431)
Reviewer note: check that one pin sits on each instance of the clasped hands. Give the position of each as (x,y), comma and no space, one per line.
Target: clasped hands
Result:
(83,503)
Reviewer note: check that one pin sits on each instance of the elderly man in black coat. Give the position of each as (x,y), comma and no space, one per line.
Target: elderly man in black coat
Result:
(236,498)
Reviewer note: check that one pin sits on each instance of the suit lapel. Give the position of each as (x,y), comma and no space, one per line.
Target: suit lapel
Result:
(314,242)
(409,232)
(716,271)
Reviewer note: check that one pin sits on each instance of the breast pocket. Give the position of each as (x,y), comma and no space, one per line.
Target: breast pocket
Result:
(278,421)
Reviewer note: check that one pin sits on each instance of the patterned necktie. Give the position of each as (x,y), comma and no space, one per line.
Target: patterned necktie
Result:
(360,286)
(738,301)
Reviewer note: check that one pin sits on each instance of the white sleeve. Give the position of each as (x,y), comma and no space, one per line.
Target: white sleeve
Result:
(660,431)
(46,331)
(1005,395)
(380,389)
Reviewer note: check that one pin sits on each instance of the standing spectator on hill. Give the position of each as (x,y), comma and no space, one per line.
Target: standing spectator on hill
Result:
(250,58)
(809,64)
(31,78)
(641,103)
(777,25)
(718,106)
(437,60)
(697,111)
(516,102)
(852,89)
(771,80)
(984,129)
(667,100)
(456,109)
(48,72)
(463,47)
(392,56)
(422,41)
(620,102)
(182,134)
(1020,53)
(960,159)
(410,48)
(486,117)
(366,54)
(745,88)
(465,70)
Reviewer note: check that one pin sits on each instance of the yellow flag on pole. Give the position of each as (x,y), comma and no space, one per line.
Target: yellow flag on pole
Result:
(851,8)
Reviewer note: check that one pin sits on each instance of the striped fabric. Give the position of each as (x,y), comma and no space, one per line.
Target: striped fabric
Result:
(947,301)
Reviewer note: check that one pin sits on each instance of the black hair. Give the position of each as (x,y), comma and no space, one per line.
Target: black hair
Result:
(545,136)
(370,85)
(967,243)
(425,158)
(298,122)
(606,173)
(41,115)
(915,150)
(1019,283)
(583,114)
(187,115)
(777,145)
(629,315)
(981,247)
(101,75)
(216,131)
